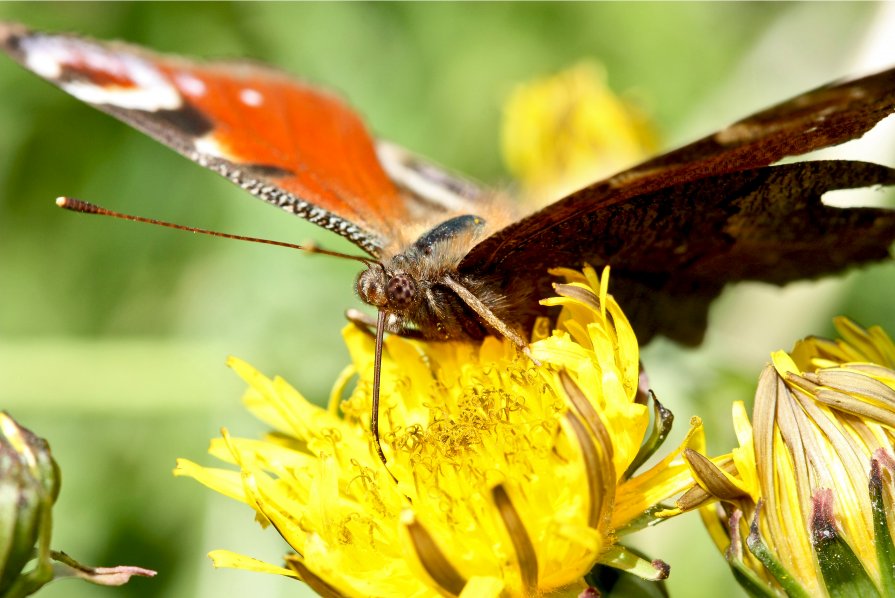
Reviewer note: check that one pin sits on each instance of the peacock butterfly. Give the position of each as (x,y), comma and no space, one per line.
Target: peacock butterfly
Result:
(450,259)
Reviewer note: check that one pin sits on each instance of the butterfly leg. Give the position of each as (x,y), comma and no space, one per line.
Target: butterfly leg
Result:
(486,314)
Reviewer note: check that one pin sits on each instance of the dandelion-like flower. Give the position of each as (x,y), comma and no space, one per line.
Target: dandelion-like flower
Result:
(504,477)
(567,130)
(807,497)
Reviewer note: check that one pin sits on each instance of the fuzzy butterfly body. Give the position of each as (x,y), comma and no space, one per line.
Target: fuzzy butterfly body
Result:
(454,260)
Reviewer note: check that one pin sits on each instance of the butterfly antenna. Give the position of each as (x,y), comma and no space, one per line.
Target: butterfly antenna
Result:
(77,205)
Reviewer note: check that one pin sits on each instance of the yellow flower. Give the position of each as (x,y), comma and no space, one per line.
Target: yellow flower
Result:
(510,478)
(808,494)
(563,132)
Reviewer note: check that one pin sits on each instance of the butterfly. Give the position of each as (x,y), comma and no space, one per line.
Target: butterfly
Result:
(450,259)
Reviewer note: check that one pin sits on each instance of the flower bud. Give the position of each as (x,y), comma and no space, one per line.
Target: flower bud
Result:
(809,492)
(29,484)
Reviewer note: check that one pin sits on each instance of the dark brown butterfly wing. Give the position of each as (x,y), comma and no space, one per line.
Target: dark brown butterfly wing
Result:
(824,117)
(677,228)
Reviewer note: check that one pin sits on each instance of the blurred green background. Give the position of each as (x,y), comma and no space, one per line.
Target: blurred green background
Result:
(113,335)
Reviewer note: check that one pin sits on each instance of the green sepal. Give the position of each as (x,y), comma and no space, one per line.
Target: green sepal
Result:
(646,519)
(632,561)
(19,518)
(885,550)
(662,421)
(627,572)
(842,571)
(758,548)
(751,583)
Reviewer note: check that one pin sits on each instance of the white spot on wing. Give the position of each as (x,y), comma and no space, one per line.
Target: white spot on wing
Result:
(44,56)
(148,99)
(208,146)
(190,84)
(251,97)
(149,89)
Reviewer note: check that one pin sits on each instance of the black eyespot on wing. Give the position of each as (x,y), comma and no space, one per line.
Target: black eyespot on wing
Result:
(266,171)
(186,119)
(10,38)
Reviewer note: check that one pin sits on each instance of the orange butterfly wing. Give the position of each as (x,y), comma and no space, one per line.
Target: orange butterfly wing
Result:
(290,144)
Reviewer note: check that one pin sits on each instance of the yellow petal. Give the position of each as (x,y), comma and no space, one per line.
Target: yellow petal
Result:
(233,560)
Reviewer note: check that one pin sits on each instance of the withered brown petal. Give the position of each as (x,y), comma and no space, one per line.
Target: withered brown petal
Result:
(526,555)
(709,474)
(585,296)
(858,384)
(850,404)
(595,474)
(596,447)
(316,583)
(433,559)
(696,496)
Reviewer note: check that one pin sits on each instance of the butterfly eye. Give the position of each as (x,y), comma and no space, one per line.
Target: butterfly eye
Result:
(371,287)
(401,290)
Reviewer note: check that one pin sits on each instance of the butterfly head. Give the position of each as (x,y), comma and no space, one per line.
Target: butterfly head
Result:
(393,291)
(395,285)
